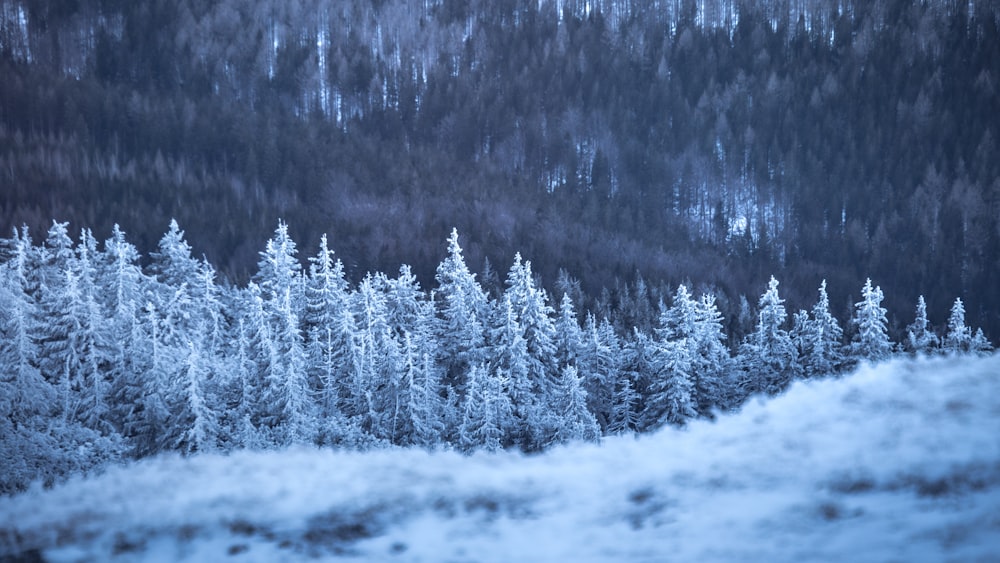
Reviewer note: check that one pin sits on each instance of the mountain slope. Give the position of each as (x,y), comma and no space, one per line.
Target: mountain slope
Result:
(895,462)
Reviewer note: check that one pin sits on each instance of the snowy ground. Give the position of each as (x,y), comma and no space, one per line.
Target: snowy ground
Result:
(895,463)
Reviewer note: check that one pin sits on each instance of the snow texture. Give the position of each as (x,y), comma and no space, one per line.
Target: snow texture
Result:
(898,462)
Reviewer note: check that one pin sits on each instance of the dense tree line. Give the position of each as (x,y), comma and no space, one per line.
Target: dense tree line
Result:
(706,142)
(102,359)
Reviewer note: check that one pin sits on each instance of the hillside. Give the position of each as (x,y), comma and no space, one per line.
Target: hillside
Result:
(895,462)
(714,143)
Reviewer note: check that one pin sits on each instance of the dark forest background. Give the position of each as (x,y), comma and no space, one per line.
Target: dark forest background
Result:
(632,145)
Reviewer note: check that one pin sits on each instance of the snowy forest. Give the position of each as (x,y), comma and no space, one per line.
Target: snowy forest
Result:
(104,359)
(706,142)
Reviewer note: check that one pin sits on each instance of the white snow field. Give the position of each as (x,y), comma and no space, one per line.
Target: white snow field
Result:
(899,462)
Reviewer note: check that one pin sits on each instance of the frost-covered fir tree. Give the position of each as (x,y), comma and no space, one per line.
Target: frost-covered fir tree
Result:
(172,263)
(126,282)
(192,413)
(767,357)
(871,341)
(568,335)
(25,393)
(671,397)
(422,381)
(463,312)
(959,336)
(279,270)
(509,359)
(712,363)
(331,342)
(600,361)
(920,339)
(573,421)
(285,409)
(980,345)
(486,412)
(41,436)
(372,391)
(821,339)
(624,415)
(286,405)
(94,343)
(535,317)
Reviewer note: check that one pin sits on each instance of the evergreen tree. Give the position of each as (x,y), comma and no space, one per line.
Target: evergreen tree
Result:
(95,340)
(534,316)
(372,392)
(423,379)
(568,335)
(332,349)
(710,357)
(871,342)
(25,393)
(624,415)
(509,359)
(600,362)
(172,262)
(125,280)
(285,407)
(822,350)
(671,393)
(959,336)
(767,357)
(463,310)
(980,345)
(573,421)
(920,339)
(486,412)
(192,413)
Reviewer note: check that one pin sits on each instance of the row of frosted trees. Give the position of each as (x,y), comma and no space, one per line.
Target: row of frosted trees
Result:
(102,359)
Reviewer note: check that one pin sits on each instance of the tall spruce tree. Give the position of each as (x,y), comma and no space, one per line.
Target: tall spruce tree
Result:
(767,357)
(920,339)
(871,341)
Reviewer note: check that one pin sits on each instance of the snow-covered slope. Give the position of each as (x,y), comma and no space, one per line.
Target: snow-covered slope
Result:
(899,462)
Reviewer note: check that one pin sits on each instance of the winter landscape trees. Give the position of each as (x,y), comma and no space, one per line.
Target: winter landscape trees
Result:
(104,359)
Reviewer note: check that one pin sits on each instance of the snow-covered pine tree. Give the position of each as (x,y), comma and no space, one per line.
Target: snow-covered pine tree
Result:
(286,408)
(920,339)
(767,357)
(191,412)
(599,361)
(710,357)
(486,411)
(535,317)
(381,364)
(331,343)
(871,341)
(423,378)
(463,312)
(573,421)
(125,283)
(172,263)
(287,400)
(980,345)
(95,341)
(24,393)
(509,359)
(671,392)
(959,336)
(821,346)
(568,336)
(279,270)
(624,415)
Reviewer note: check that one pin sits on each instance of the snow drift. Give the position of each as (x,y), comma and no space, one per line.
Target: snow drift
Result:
(895,462)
